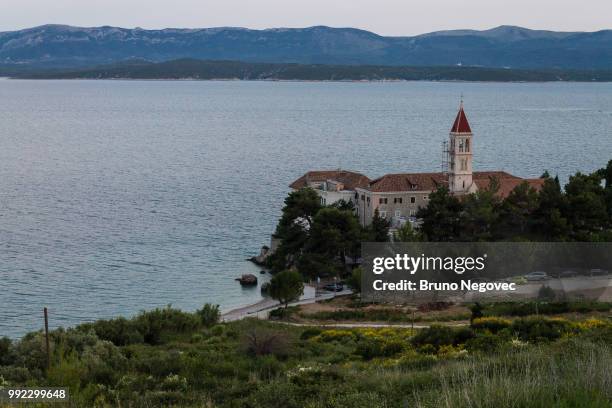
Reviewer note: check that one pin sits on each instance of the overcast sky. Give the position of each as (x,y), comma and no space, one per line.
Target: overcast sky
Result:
(388,17)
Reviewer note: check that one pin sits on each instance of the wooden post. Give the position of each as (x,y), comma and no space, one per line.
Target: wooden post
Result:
(47,338)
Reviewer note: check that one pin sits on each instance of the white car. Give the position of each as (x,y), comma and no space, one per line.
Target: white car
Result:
(536,276)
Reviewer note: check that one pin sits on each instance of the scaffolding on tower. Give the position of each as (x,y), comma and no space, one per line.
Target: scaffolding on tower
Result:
(444,165)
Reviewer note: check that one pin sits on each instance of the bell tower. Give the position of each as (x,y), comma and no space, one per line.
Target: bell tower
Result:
(460,155)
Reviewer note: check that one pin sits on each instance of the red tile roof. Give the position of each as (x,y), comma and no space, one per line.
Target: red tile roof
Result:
(350,179)
(461,124)
(506,185)
(431,181)
(408,182)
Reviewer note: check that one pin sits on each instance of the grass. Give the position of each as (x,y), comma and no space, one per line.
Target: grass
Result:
(167,358)
(382,315)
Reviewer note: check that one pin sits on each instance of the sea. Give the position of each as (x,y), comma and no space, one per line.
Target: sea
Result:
(123,196)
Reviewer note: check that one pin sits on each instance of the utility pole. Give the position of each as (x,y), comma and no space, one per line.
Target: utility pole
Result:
(47,338)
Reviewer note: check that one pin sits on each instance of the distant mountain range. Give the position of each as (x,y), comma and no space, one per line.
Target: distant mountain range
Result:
(63,47)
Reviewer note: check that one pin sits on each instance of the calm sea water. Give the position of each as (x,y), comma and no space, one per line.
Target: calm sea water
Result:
(119,196)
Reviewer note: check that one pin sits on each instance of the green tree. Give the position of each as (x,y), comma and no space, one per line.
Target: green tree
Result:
(344,205)
(406,233)
(378,230)
(315,265)
(441,220)
(294,226)
(517,212)
(587,210)
(334,233)
(286,287)
(300,208)
(480,214)
(607,176)
(209,314)
(354,280)
(552,205)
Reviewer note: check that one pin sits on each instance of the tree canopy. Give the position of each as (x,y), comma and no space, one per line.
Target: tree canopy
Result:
(286,287)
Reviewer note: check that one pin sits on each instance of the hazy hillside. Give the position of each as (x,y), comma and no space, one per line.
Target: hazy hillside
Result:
(514,47)
(198,69)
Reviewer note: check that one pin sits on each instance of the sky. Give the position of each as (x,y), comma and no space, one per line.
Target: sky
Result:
(386,17)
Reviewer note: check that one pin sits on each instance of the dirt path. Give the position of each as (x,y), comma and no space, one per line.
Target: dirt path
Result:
(372,325)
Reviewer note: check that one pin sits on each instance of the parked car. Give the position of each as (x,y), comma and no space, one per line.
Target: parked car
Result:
(598,272)
(568,274)
(334,287)
(536,276)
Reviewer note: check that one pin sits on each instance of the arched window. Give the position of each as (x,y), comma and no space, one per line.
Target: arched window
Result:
(467,145)
(460,145)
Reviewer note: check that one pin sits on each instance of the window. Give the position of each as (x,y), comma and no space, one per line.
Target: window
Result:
(398,213)
(412,200)
(397,200)
(356,196)
(362,197)
(467,145)
(425,197)
(383,214)
(460,145)
(382,201)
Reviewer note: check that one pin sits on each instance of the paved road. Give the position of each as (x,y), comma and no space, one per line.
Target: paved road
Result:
(262,309)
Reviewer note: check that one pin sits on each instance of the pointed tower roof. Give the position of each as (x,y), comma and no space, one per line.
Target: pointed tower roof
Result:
(461,124)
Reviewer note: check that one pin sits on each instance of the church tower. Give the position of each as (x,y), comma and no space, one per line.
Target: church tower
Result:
(460,155)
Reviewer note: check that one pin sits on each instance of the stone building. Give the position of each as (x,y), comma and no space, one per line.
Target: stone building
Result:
(399,196)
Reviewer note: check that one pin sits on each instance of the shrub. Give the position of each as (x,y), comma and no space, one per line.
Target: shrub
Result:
(282,313)
(546,293)
(476,310)
(7,356)
(484,342)
(209,314)
(590,324)
(217,330)
(155,323)
(418,361)
(354,280)
(159,363)
(368,349)
(15,375)
(120,331)
(341,336)
(529,308)
(310,332)
(437,336)
(31,353)
(493,324)
(541,329)
(260,342)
